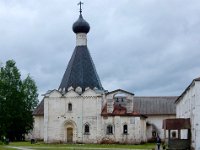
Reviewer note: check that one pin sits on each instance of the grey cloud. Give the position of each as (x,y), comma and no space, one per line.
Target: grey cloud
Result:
(148,47)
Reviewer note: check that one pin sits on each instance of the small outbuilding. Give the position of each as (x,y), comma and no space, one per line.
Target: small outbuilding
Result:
(180,126)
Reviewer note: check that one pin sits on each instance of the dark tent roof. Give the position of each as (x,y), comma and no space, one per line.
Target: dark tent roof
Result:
(155,105)
(80,71)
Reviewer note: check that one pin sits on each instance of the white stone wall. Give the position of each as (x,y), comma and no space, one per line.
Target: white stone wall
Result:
(128,100)
(86,108)
(157,121)
(143,130)
(196,122)
(136,125)
(136,129)
(81,39)
(38,130)
(189,107)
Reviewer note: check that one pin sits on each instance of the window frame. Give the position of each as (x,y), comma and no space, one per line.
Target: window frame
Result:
(125,131)
(69,107)
(88,127)
(109,129)
(154,134)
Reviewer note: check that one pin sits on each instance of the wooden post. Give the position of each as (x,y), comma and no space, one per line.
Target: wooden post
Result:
(164,134)
(179,134)
(169,134)
(189,135)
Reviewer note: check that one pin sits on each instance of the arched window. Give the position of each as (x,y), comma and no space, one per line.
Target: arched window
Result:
(69,107)
(117,100)
(154,134)
(125,129)
(87,129)
(109,129)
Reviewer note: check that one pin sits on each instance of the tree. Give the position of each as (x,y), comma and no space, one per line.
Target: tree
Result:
(18,98)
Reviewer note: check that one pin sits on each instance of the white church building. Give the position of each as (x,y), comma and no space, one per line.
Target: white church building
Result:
(82,111)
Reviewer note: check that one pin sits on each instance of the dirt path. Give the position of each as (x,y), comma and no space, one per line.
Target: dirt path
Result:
(20,148)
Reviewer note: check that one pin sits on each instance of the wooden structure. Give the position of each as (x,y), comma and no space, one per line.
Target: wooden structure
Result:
(178,124)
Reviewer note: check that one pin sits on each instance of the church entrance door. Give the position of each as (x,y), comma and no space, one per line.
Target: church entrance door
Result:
(69,135)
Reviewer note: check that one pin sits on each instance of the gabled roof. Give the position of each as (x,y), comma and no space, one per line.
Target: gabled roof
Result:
(80,71)
(176,124)
(119,111)
(155,105)
(39,110)
(184,92)
(118,90)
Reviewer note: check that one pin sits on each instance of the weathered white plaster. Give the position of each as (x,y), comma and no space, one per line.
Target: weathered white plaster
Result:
(86,109)
(38,131)
(136,129)
(71,93)
(155,123)
(189,107)
(55,94)
(81,39)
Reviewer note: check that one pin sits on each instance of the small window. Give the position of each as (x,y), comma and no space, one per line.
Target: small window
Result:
(125,129)
(117,99)
(109,129)
(174,134)
(154,134)
(69,107)
(87,129)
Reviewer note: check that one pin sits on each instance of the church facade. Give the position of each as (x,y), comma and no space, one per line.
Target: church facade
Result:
(81,111)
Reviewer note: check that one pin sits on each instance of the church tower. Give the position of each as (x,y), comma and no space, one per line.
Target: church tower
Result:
(81,70)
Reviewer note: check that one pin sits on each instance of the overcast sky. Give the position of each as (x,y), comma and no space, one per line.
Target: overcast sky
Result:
(148,47)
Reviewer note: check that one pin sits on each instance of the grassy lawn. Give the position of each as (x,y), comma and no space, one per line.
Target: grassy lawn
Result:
(4,147)
(42,146)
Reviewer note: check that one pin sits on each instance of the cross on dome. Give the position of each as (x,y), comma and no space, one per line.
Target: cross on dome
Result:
(80,3)
(81,26)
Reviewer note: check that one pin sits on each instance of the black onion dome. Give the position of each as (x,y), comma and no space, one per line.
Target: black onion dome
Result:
(81,26)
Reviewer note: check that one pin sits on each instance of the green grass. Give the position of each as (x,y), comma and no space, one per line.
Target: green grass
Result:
(43,146)
(3,147)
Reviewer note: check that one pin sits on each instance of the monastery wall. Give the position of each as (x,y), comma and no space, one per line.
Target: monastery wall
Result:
(197,116)
(155,124)
(189,107)
(38,130)
(135,134)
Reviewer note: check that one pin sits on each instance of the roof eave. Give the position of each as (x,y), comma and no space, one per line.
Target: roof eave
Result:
(164,114)
(38,115)
(184,92)
(120,90)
